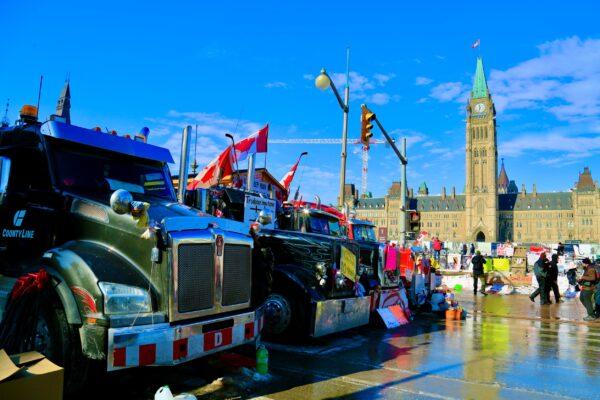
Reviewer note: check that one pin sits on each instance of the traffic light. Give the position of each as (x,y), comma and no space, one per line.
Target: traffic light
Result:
(366,116)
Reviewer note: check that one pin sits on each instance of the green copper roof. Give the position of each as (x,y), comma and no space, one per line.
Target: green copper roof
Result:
(423,186)
(480,89)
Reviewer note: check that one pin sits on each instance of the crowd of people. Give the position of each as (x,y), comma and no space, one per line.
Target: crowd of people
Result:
(546,274)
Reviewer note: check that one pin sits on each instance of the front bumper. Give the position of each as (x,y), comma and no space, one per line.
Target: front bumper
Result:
(338,315)
(163,344)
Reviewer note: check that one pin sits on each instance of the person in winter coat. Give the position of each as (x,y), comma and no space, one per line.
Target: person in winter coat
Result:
(463,250)
(588,282)
(552,279)
(472,249)
(478,262)
(540,269)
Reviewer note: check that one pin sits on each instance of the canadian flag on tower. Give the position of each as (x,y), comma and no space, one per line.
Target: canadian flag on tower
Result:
(476,44)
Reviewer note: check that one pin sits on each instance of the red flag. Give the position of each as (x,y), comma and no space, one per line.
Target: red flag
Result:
(255,143)
(218,170)
(476,44)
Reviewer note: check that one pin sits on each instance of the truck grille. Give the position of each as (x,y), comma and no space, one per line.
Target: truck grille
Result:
(237,271)
(195,277)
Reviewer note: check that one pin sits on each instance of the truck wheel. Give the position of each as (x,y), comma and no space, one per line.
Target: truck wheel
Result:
(59,341)
(278,313)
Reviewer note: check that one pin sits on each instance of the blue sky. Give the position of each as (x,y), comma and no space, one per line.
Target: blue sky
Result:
(234,67)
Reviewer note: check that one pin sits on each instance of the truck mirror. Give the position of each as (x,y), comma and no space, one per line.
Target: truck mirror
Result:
(120,201)
(264,218)
(4,174)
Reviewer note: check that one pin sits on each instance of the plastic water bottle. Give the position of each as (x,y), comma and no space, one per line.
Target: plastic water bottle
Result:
(262,360)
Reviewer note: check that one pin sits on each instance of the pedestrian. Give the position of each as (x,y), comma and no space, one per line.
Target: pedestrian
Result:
(588,282)
(463,252)
(478,273)
(540,269)
(552,284)
(437,247)
(472,249)
(560,250)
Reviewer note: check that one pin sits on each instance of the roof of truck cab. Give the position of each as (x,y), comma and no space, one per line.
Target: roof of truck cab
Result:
(106,141)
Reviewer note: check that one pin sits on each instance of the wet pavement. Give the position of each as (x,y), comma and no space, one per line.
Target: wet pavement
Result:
(507,347)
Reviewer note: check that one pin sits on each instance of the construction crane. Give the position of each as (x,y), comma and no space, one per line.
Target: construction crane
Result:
(365,152)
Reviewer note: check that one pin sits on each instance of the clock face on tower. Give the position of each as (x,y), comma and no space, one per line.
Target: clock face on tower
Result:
(479,108)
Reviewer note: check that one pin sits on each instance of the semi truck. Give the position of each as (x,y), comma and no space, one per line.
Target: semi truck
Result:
(379,264)
(313,292)
(137,278)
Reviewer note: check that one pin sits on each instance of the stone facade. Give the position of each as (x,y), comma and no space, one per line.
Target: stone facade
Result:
(491,208)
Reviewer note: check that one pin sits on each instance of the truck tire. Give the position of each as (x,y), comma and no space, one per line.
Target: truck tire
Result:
(59,341)
(285,317)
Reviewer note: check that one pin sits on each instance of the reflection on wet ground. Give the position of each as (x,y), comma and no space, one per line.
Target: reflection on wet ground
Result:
(507,348)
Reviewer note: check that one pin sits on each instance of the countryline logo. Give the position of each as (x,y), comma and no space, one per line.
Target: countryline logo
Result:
(18,233)
(19,217)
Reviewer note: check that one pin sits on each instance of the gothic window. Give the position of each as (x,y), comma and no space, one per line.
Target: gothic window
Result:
(476,153)
(485,130)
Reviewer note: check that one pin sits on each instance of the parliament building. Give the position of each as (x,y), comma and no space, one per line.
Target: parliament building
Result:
(492,209)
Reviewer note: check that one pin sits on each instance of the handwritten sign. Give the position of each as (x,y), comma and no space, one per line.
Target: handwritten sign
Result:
(254,205)
(348,263)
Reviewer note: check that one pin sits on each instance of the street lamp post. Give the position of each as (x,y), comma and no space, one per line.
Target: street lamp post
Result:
(323,81)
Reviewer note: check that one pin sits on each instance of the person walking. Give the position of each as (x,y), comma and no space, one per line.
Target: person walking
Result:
(540,269)
(437,247)
(588,282)
(478,273)
(552,283)
(463,251)
(472,249)
(560,250)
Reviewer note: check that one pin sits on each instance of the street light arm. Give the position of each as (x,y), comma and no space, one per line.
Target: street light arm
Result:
(337,94)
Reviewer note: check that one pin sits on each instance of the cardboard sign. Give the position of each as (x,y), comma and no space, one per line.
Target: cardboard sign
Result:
(254,205)
(392,316)
(348,263)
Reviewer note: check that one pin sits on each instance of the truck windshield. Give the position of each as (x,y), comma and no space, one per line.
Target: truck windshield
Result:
(98,174)
(324,225)
(364,232)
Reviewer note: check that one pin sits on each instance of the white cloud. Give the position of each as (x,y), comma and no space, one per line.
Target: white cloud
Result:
(450,91)
(564,80)
(382,79)
(423,81)
(379,99)
(211,128)
(559,146)
(277,84)
(308,77)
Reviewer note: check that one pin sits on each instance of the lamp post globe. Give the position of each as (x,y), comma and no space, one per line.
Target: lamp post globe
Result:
(322,81)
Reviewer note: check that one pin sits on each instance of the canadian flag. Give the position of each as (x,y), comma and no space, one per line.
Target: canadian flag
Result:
(287,179)
(255,143)
(476,44)
(218,170)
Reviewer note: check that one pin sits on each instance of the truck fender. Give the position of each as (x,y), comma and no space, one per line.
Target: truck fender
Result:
(65,295)
(287,275)
(78,266)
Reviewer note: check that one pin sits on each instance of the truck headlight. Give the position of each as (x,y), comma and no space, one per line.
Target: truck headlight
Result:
(340,280)
(125,299)
(321,269)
